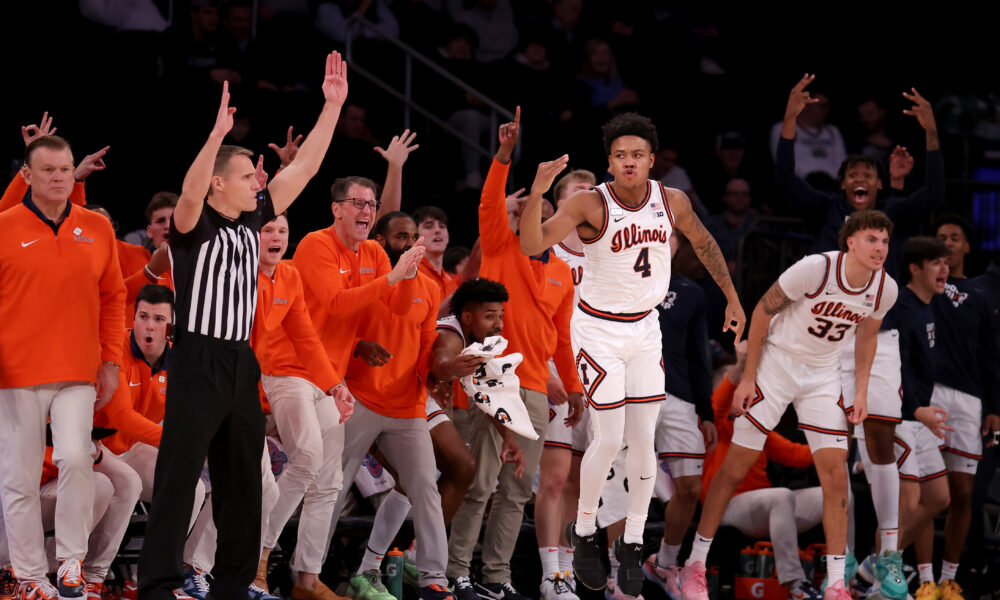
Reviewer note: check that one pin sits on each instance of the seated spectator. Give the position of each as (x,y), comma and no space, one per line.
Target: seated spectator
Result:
(599,71)
(332,19)
(729,161)
(493,22)
(192,55)
(671,174)
(819,147)
(565,33)
(729,227)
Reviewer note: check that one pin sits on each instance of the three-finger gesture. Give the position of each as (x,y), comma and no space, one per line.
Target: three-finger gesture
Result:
(30,133)
(921,109)
(399,148)
(259,174)
(900,163)
(335,82)
(287,152)
(224,118)
(799,98)
(90,163)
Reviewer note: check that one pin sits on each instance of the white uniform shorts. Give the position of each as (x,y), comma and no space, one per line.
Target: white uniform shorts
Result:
(679,440)
(574,439)
(435,414)
(813,391)
(917,455)
(964,447)
(618,357)
(885,388)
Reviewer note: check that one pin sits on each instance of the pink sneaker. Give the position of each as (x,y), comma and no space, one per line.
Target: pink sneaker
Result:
(692,582)
(837,591)
(665,577)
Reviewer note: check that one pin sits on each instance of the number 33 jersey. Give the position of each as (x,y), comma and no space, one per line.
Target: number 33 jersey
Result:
(825,312)
(628,262)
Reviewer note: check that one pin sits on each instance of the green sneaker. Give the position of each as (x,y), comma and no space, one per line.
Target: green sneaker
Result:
(411,574)
(889,573)
(368,586)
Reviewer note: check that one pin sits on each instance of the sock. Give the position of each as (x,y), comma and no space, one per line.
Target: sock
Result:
(550,560)
(388,519)
(948,570)
(926,572)
(835,568)
(410,553)
(586,522)
(699,550)
(667,556)
(884,480)
(565,559)
(635,526)
(370,561)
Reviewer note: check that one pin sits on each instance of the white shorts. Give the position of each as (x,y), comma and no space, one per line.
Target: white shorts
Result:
(885,388)
(917,453)
(574,439)
(964,447)
(813,391)
(435,414)
(618,358)
(679,441)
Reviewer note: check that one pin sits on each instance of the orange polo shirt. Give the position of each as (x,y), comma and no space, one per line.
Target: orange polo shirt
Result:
(342,286)
(63,299)
(399,387)
(446,282)
(137,406)
(18,187)
(777,447)
(536,319)
(283,336)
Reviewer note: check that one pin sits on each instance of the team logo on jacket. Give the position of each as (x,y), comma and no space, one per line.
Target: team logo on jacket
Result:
(280,300)
(79,237)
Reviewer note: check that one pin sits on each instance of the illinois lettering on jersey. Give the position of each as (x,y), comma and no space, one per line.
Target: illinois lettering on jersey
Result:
(575,261)
(823,318)
(628,262)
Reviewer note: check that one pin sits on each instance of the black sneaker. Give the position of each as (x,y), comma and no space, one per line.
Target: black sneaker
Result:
(464,589)
(629,567)
(436,591)
(590,558)
(498,591)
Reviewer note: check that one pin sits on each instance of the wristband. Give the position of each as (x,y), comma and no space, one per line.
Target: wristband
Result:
(149,274)
(113,364)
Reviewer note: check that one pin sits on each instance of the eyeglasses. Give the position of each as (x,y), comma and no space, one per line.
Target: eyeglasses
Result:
(360,203)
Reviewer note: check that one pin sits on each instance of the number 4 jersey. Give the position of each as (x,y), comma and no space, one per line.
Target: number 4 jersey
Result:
(825,312)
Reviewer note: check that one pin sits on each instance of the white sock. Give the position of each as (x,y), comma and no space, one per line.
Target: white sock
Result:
(410,553)
(948,570)
(550,560)
(635,526)
(586,522)
(566,559)
(370,561)
(667,556)
(699,550)
(835,568)
(388,519)
(926,572)
(884,480)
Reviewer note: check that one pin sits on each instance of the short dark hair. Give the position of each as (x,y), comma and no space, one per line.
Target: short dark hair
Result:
(52,142)
(921,249)
(861,220)
(160,200)
(630,123)
(152,293)
(575,175)
(430,212)
(477,291)
(452,256)
(854,160)
(338,191)
(383,223)
(955,219)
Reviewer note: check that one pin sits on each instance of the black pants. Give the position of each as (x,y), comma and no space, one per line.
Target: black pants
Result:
(212,409)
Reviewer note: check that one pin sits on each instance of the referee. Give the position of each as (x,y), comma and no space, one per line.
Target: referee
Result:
(213,407)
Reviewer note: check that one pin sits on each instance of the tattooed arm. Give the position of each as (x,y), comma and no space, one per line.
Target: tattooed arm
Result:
(773,302)
(707,249)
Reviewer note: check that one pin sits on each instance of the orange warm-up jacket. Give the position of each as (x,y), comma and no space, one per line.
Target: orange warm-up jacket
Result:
(777,447)
(398,388)
(445,281)
(137,406)
(536,318)
(342,286)
(283,337)
(63,298)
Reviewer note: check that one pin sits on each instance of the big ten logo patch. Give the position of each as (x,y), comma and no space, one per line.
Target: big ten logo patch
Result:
(278,457)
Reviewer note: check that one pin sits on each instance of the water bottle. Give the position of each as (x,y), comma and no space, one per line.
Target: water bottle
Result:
(394,572)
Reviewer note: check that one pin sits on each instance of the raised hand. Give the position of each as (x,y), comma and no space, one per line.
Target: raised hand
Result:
(90,163)
(921,109)
(335,81)
(159,261)
(259,174)
(406,266)
(507,136)
(900,164)
(224,118)
(30,133)
(287,152)
(399,148)
(546,174)
(515,201)
(799,98)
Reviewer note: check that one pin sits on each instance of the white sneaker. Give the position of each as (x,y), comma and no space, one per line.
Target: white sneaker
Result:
(554,588)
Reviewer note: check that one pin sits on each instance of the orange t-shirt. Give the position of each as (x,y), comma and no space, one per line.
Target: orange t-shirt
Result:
(536,318)
(283,336)
(18,187)
(777,447)
(446,282)
(341,286)
(398,388)
(136,409)
(63,299)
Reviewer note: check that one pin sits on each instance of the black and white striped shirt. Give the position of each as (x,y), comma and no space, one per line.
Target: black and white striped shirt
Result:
(214,267)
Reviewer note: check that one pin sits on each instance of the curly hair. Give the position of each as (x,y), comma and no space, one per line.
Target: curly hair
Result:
(630,123)
(477,291)
(861,220)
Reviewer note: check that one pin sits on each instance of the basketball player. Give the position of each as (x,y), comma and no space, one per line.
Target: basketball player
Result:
(822,302)
(625,227)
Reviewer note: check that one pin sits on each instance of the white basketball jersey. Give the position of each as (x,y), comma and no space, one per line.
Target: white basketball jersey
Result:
(452,324)
(628,263)
(822,320)
(575,261)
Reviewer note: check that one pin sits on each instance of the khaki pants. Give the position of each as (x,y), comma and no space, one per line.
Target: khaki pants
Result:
(512,493)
